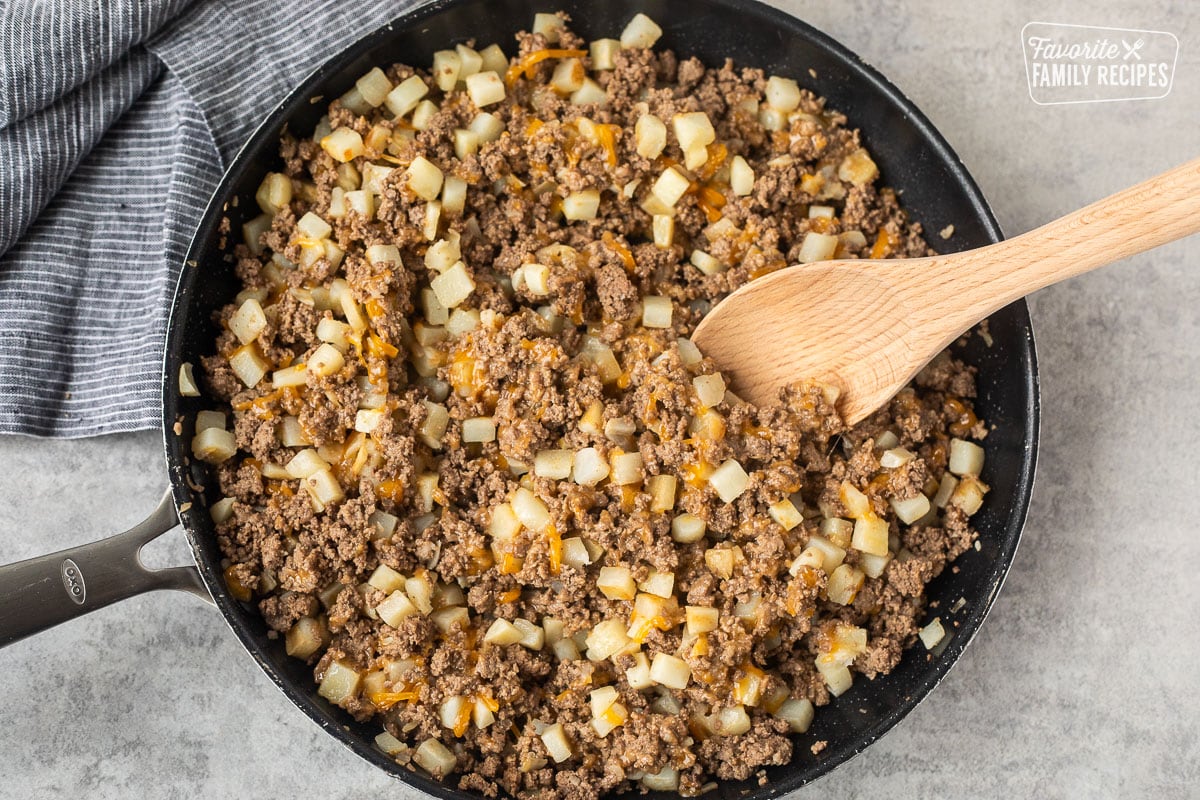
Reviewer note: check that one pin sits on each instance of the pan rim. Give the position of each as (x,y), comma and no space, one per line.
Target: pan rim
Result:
(860,72)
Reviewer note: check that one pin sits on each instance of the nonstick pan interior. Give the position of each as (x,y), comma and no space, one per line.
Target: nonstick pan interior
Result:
(913,158)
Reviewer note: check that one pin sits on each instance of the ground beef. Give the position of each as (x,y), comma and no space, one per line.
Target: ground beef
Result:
(451,464)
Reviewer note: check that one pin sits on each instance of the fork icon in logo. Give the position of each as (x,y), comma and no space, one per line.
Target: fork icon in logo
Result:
(1132,49)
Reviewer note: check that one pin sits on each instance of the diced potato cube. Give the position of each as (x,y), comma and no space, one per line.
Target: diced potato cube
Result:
(650,136)
(575,552)
(817,247)
(366,420)
(831,554)
(383,254)
(446,65)
(590,467)
(657,311)
(783,94)
(856,503)
(661,489)
(945,490)
(932,634)
(334,332)
(305,637)
(710,389)
(582,205)
(601,356)
(873,566)
(485,88)
(433,757)
(966,458)
(249,322)
(706,263)
(911,509)
(492,58)
(701,619)
(785,514)
(606,639)
(603,53)
(248,365)
(443,254)
(549,25)
(470,59)
(798,714)
(693,130)
(871,535)
(396,608)
(556,742)
(530,510)
(968,495)
(638,675)
(858,168)
(568,76)
(386,579)
(344,144)
(553,464)
(406,95)
(837,677)
(659,584)
(462,320)
(274,192)
(626,469)
(374,87)
(488,127)
(589,92)
(479,429)
(453,286)
(670,186)
(721,561)
(729,481)
(454,195)
(664,231)
(437,419)
(503,633)
(305,463)
(741,177)
(616,583)
(214,445)
(532,636)
(341,682)
(325,361)
(424,178)
(423,114)
(504,524)
(466,143)
(323,487)
(670,671)
(844,583)
(895,457)
(640,32)
(688,528)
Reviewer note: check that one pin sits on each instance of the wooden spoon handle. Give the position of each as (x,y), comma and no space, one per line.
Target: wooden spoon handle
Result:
(1142,217)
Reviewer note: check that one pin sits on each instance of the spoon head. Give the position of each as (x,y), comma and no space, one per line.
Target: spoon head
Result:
(844,323)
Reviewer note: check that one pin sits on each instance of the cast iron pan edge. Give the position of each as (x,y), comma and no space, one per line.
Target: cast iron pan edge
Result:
(689,27)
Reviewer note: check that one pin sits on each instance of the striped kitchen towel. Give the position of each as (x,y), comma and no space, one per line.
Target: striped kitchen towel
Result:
(116,121)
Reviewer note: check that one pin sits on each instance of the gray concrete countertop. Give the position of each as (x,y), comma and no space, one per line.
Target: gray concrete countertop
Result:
(1082,683)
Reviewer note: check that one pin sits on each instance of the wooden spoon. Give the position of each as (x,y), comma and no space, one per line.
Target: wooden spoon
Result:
(868,326)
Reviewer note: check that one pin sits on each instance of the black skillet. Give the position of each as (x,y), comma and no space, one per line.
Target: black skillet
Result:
(913,157)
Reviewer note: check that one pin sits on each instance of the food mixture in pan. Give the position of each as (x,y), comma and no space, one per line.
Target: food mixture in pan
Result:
(475,473)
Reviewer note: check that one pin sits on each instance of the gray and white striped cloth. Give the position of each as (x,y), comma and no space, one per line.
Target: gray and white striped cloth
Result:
(116,121)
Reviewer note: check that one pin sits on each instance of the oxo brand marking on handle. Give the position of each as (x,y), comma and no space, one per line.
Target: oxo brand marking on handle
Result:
(72,579)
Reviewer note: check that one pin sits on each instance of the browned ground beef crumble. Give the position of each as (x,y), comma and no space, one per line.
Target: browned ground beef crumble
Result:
(536,364)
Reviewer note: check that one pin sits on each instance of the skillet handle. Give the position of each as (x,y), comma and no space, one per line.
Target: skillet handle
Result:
(42,592)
